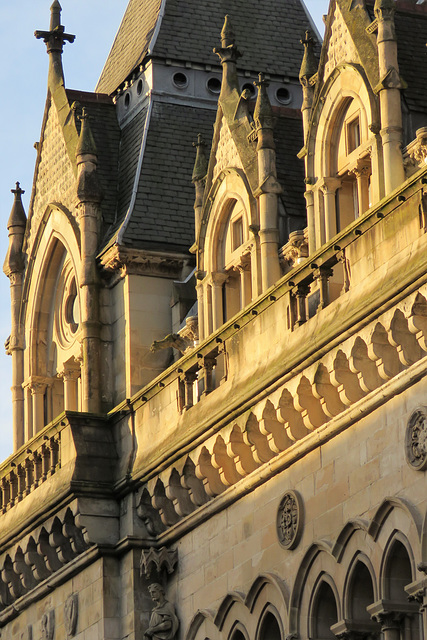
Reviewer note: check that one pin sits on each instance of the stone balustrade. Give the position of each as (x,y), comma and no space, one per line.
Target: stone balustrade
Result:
(29,467)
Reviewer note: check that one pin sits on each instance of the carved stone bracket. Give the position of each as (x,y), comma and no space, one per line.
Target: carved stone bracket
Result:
(290,520)
(155,561)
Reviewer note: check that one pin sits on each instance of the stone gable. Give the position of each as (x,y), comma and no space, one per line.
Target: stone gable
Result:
(341,45)
(55,181)
(227,154)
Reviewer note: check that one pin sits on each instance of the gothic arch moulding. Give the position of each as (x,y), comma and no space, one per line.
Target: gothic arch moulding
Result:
(51,318)
(347,83)
(230,191)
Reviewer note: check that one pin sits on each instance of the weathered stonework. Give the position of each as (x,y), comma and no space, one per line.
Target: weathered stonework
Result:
(55,177)
(227,154)
(341,47)
(266,480)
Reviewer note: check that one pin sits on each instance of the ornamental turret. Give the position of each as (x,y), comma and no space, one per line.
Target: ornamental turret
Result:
(13,267)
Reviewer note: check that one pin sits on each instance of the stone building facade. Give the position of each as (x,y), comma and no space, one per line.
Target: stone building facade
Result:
(219,387)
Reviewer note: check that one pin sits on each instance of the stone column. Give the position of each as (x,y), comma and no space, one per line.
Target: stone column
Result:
(389,618)
(362,172)
(389,94)
(417,594)
(329,188)
(311,224)
(217,280)
(13,267)
(198,179)
(207,307)
(322,275)
(70,375)
(244,269)
(38,389)
(200,306)
(308,70)
(269,189)
(89,215)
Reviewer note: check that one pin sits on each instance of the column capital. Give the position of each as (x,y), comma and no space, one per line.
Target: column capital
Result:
(362,168)
(390,614)
(37,384)
(329,185)
(71,370)
(218,278)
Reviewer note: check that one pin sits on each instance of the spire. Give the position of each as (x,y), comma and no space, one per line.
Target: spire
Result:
(201,163)
(228,54)
(88,186)
(86,144)
(17,216)
(55,39)
(55,15)
(309,63)
(14,261)
(227,33)
(263,113)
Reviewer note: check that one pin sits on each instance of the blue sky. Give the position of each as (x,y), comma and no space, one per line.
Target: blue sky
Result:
(23,78)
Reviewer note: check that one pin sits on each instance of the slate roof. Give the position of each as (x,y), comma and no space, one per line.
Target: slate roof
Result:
(106,132)
(267,33)
(163,215)
(288,133)
(411,32)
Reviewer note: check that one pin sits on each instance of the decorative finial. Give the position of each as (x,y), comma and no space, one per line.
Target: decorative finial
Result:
(309,63)
(55,15)
(228,54)
(201,163)
(56,37)
(86,144)
(17,216)
(263,114)
(227,33)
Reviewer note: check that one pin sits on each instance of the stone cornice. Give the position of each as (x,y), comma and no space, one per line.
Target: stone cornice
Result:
(124,261)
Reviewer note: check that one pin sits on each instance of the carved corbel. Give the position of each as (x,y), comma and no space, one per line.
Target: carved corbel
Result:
(154,562)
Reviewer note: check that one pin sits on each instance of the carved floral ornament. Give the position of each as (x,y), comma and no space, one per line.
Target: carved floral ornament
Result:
(416,439)
(290,520)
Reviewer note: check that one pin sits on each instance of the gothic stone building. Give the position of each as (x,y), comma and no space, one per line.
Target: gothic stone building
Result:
(220,352)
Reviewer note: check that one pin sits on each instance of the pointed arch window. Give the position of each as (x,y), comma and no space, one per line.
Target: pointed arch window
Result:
(351,164)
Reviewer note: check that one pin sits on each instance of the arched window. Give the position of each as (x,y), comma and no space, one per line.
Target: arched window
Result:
(234,260)
(324,613)
(269,629)
(397,575)
(361,594)
(351,164)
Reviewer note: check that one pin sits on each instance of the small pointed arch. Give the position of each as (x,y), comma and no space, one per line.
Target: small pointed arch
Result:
(230,186)
(231,599)
(397,568)
(272,583)
(318,558)
(238,632)
(268,602)
(347,83)
(325,609)
(360,590)
(345,534)
(270,625)
(385,509)
(202,626)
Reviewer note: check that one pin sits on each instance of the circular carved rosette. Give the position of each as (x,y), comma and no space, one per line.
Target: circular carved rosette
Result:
(290,520)
(416,439)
